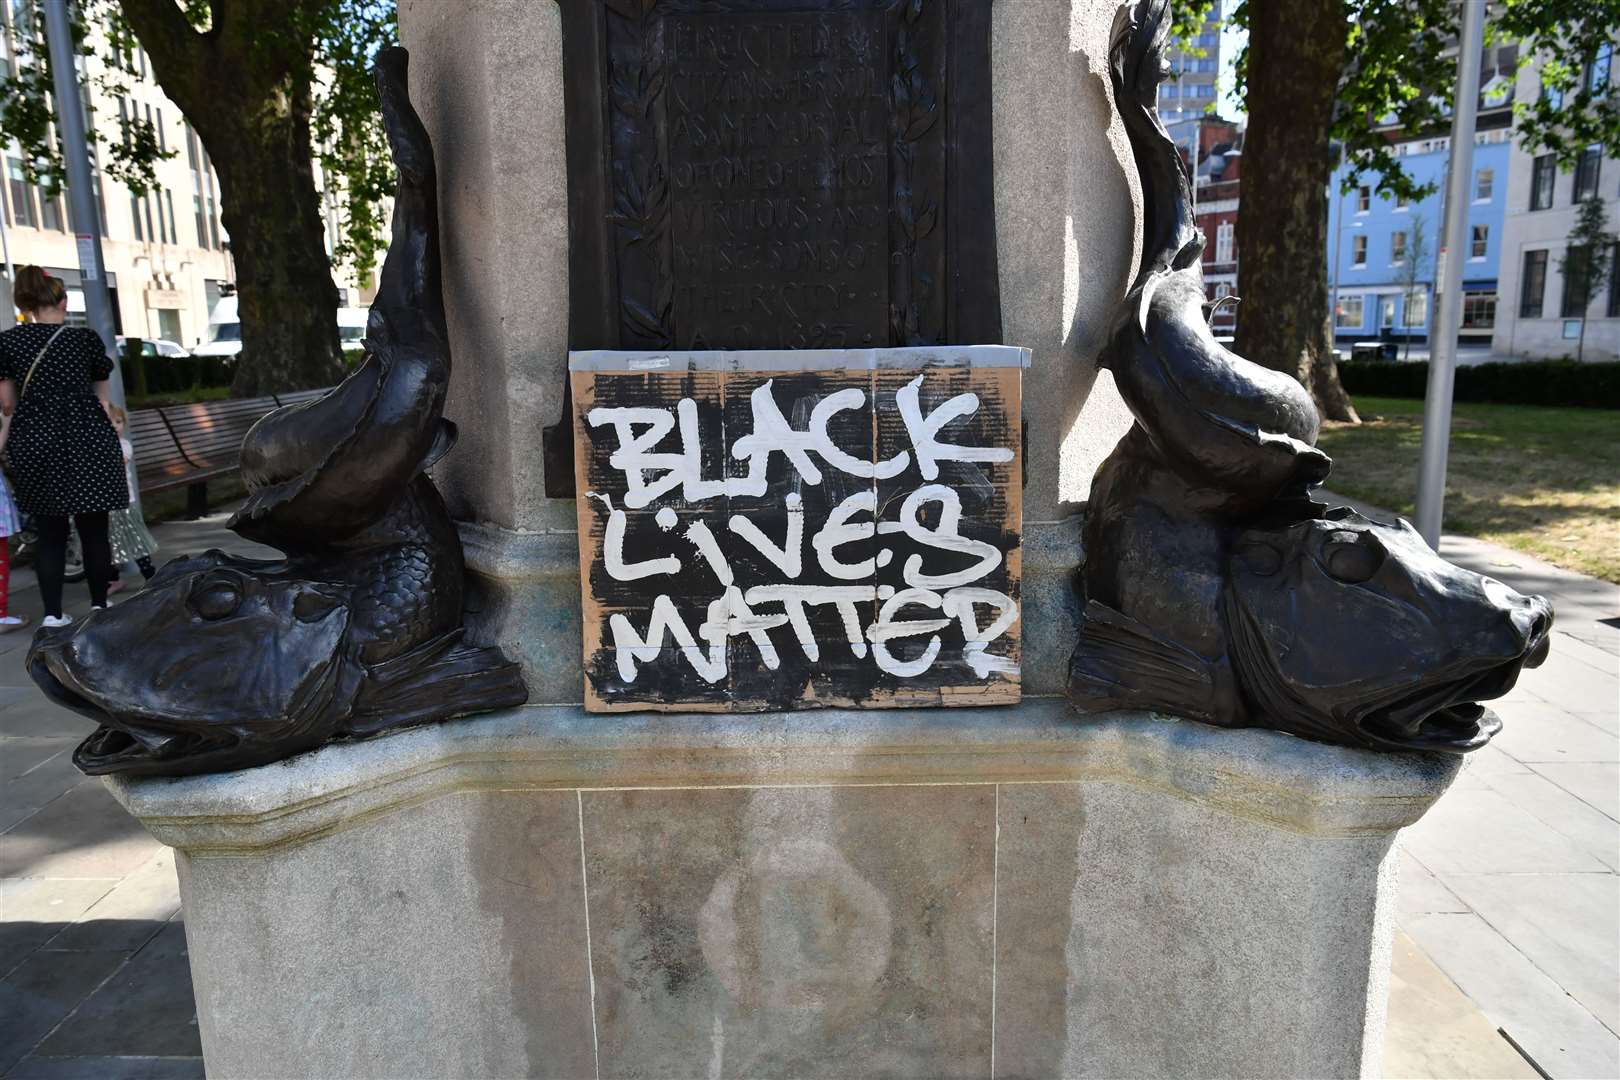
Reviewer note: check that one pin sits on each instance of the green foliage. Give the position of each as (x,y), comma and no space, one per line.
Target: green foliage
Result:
(1187,18)
(347,126)
(1397,72)
(1573,111)
(1590,237)
(27,110)
(342,37)
(1539,382)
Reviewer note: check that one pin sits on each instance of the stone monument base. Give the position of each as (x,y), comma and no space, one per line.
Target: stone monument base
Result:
(1017,892)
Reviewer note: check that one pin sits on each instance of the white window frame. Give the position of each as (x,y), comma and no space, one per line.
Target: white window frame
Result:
(1484,184)
(1479,242)
(1358,250)
(1419,299)
(1397,248)
(1223,242)
(1340,315)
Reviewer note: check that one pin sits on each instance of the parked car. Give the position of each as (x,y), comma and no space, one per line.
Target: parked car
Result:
(155,347)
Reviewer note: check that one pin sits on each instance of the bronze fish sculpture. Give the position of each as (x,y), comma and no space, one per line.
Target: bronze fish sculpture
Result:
(224,662)
(1215,587)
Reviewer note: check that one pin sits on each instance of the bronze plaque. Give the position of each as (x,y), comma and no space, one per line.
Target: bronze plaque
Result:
(752,174)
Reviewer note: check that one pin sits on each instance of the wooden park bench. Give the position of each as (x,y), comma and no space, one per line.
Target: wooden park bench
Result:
(189,445)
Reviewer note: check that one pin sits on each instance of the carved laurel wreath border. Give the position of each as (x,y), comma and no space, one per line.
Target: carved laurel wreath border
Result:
(640,181)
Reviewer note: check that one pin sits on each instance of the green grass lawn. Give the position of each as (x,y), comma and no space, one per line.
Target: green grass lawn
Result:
(1541,480)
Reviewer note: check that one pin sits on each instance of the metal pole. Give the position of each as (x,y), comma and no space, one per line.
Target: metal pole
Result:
(1447,318)
(82,204)
(11,274)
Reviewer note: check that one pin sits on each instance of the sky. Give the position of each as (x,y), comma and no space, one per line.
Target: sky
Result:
(1232,40)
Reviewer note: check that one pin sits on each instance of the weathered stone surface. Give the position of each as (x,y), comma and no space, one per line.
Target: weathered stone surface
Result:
(792,931)
(441,940)
(1128,916)
(814,894)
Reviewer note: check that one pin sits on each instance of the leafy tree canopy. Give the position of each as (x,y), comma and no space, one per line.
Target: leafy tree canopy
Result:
(343,37)
(1398,71)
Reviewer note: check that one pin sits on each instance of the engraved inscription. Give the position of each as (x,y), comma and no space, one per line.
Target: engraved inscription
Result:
(777,144)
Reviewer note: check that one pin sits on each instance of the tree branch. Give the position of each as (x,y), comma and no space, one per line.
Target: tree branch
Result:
(177,50)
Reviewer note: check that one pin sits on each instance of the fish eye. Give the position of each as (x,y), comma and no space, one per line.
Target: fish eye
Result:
(217,596)
(1352,561)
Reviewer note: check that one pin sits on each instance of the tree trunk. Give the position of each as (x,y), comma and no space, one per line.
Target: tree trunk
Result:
(244,85)
(1296,56)
(285,294)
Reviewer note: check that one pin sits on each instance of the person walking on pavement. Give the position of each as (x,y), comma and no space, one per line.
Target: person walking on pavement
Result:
(10,524)
(64,455)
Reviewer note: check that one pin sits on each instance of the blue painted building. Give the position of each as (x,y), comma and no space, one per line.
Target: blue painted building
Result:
(1377,245)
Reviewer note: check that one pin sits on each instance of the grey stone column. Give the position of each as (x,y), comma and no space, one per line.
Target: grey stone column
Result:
(487,79)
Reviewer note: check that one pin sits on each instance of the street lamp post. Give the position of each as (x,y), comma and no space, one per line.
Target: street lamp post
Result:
(76,156)
(1448,280)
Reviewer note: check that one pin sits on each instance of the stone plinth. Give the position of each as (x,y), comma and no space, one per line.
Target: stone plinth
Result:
(1013,892)
(488,81)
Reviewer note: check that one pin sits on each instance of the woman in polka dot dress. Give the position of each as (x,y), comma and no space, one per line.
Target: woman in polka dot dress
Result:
(64,455)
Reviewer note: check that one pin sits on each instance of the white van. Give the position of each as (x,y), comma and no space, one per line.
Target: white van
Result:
(225,329)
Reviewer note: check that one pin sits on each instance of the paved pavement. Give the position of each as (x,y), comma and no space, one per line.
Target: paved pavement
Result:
(1508,922)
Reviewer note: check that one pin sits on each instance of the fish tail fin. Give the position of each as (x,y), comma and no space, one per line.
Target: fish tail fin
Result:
(1121,663)
(438,680)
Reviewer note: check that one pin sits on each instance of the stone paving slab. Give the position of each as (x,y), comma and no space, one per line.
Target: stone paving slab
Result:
(1435,1031)
(1557,1032)
(1563,924)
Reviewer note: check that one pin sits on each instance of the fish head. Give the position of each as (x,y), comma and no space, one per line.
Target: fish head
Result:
(212,666)
(1353,631)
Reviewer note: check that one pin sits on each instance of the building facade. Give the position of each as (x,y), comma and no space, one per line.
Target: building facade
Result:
(1191,89)
(1218,191)
(166,253)
(1383,252)
(1543,307)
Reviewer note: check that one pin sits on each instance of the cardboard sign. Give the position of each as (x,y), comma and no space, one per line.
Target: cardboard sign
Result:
(786,530)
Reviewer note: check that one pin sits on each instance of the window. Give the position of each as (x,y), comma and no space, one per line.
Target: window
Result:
(1577,273)
(1552,95)
(1397,248)
(1586,173)
(1481,241)
(50,211)
(1167,90)
(168,203)
(1478,311)
(1541,182)
(1596,76)
(1386,312)
(1363,199)
(1358,251)
(1415,311)
(135,215)
(22,195)
(1484,183)
(1223,242)
(163,142)
(1350,312)
(1532,284)
(1613,310)
(1401,202)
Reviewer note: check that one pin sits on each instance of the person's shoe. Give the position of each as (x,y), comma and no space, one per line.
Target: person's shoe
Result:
(116,587)
(53,621)
(9,623)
